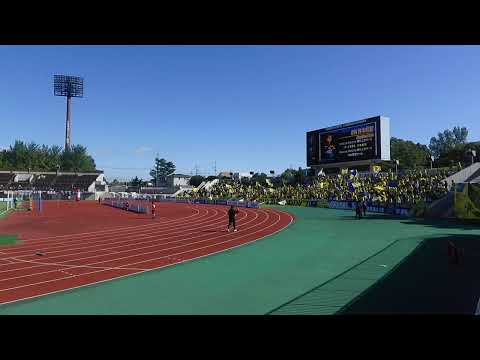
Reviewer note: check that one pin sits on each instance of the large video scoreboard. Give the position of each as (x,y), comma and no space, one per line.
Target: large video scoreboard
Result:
(359,141)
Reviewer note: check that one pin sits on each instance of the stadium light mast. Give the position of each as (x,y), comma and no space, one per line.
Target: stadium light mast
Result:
(69,86)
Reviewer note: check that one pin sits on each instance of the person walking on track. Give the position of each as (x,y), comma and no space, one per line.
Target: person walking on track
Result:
(231,218)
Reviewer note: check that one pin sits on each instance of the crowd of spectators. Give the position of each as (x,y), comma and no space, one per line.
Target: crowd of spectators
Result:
(403,189)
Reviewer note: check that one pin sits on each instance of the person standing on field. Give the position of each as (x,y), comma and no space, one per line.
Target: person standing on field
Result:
(232,212)
(153,210)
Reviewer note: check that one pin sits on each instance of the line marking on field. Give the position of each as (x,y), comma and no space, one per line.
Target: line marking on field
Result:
(266,212)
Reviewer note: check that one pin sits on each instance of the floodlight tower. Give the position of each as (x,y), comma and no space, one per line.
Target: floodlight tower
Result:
(69,86)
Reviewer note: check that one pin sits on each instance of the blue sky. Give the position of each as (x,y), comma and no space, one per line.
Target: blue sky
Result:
(245,107)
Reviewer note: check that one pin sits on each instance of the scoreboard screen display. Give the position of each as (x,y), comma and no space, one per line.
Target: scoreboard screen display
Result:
(356,141)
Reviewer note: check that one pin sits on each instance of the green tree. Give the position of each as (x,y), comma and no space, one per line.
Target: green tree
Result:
(54,157)
(261,178)
(161,169)
(300,176)
(448,140)
(76,159)
(137,182)
(196,180)
(409,154)
(288,176)
(31,156)
(18,156)
(458,154)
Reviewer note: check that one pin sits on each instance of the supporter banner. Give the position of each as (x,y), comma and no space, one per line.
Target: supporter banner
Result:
(134,206)
(389,209)
(297,202)
(345,205)
(245,204)
(322,203)
(182,201)
(467,201)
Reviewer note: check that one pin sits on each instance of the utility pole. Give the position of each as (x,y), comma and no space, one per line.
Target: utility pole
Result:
(215,168)
(156,171)
(196,170)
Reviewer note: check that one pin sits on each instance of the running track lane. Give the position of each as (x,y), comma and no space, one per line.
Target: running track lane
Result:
(90,257)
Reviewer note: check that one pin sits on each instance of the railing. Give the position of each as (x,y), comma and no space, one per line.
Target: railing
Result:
(137,206)
(245,204)
(464,174)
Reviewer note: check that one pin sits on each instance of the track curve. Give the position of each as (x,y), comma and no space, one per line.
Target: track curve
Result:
(70,244)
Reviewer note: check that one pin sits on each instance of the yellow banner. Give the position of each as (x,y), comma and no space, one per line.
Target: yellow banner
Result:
(376,168)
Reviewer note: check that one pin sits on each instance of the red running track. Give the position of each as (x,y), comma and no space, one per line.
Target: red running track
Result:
(84,243)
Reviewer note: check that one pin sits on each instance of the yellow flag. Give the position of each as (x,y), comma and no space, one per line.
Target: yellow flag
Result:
(376,168)
(344,171)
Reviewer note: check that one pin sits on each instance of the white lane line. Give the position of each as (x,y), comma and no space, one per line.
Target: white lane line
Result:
(153,269)
(111,230)
(213,220)
(138,248)
(26,249)
(99,271)
(116,229)
(105,239)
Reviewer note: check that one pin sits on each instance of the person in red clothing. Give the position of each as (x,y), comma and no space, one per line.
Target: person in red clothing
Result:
(153,210)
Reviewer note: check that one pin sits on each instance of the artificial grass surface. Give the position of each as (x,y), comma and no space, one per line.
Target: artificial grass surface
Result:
(318,265)
(7,240)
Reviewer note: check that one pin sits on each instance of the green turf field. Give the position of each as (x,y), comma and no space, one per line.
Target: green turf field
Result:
(319,265)
(8,240)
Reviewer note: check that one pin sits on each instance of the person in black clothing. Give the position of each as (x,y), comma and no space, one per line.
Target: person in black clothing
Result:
(364,208)
(15,202)
(358,210)
(231,218)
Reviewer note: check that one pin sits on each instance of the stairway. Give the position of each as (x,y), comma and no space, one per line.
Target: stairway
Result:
(442,208)
(465,175)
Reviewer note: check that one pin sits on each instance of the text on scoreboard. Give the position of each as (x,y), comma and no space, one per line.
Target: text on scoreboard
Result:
(366,139)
